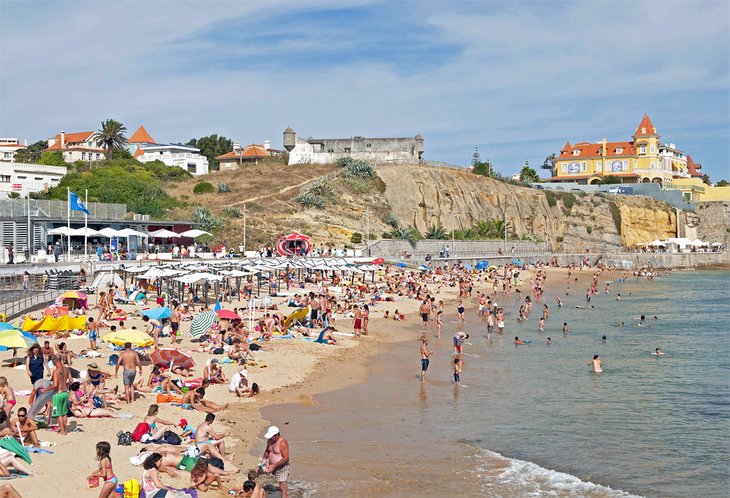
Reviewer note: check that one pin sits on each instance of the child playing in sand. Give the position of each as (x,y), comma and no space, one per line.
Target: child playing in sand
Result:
(104,471)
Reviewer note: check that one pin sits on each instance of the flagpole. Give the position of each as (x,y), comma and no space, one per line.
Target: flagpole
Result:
(86,223)
(68,222)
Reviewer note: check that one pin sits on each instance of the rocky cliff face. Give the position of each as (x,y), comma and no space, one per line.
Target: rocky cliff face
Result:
(425,196)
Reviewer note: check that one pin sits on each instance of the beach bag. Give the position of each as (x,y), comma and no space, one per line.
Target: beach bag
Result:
(124,438)
(98,403)
(170,437)
(219,351)
(139,431)
(216,462)
(131,489)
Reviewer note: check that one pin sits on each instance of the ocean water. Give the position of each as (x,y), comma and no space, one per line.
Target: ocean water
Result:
(533,420)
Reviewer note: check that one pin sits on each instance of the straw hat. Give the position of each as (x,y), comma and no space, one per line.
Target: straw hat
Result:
(93,366)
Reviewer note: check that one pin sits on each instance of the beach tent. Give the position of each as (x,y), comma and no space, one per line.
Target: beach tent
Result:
(74,300)
(50,324)
(294,244)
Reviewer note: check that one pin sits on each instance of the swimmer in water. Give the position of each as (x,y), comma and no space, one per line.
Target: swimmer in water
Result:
(518,341)
(565,327)
(586,307)
(603,339)
(618,297)
(621,324)
(657,352)
(549,341)
(596,364)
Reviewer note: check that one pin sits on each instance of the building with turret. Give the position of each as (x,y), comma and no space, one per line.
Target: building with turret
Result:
(145,149)
(374,150)
(644,159)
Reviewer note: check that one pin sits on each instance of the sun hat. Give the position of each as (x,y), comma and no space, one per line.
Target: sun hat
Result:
(273,431)
(243,372)
(93,366)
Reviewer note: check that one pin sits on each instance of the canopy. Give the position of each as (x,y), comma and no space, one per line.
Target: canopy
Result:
(164,357)
(294,244)
(85,231)
(164,234)
(657,243)
(136,337)
(202,323)
(158,313)
(699,243)
(51,324)
(62,231)
(110,232)
(194,233)
(129,232)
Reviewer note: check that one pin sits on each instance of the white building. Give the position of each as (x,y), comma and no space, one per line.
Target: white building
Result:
(28,178)
(79,146)
(144,149)
(375,150)
(8,148)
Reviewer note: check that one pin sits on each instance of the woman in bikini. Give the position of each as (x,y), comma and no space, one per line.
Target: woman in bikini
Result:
(7,395)
(81,409)
(158,383)
(365,319)
(105,471)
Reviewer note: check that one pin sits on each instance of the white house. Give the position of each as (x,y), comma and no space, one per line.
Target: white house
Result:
(8,148)
(79,146)
(144,149)
(28,178)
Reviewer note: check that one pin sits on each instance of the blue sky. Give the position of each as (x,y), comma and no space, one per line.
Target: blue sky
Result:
(517,79)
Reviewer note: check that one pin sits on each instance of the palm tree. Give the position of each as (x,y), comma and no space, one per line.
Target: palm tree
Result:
(437,232)
(111,136)
(499,227)
(483,228)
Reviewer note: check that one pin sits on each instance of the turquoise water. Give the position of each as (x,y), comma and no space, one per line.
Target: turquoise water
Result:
(533,420)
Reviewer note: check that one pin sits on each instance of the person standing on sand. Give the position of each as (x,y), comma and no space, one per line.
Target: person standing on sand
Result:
(425,355)
(129,361)
(59,384)
(276,458)
(425,310)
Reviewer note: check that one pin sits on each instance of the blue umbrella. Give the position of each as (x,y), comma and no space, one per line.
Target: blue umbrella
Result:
(468,267)
(423,267)
(158,313)
(482,265)
(7,326)
(402,265)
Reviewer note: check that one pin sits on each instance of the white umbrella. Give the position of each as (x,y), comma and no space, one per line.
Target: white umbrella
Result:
(62,231)
(109,232)
(129,232)
(699,243)
(194,233)
(716,244)
(658,243)
(164,234)
(85,232)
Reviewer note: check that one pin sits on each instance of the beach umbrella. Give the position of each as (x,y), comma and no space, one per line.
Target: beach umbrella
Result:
(73,295)
(482,265)
(164,234)
(109,232)
(62,231)
(423,267)
(402,265)
(15,339)
(202,323)
(194,233)
(227,315)
(378,261)
(13,446)
(165,357)
(158,313)
(136,337)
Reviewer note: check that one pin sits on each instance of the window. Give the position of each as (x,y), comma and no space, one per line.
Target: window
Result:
(653,148)
(8,155)
(582,166)
(576,152)
(22,177)
(653,165)
(348,149)
(192,168)
(642,149)
(564,167)
(619,150)
(98,156)
(4,178)
(38,178)
(599,166)
(625,165)
(368,145)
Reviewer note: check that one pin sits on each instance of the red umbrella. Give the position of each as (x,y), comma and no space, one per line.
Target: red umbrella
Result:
(166,356)
(378,261)
(227,315)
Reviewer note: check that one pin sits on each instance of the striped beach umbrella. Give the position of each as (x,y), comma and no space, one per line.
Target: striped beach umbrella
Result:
(202,323)
(164,357)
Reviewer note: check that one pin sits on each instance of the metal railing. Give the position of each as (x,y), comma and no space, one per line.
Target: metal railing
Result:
(27,302)
(15,208)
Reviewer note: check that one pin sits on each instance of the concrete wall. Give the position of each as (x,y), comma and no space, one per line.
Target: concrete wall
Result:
(374,150)
(671,197)
(479,249)
(714,221)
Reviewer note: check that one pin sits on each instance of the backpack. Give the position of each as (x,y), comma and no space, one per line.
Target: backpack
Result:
(170,437)
(139,431)
(131,489)
(124,438)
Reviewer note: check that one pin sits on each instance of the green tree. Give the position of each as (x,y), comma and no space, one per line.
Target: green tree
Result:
(483,169)
(476,158)
(528,174)
(722,183)
(483,228)
(706,179)
(52,158)
(111,137)
(212,146)
(437,232)
(32,153)
(610,179)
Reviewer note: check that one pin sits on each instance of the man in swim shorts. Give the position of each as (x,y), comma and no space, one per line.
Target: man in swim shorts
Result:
(129,361)
(425,355)
(425,309)
(59,384)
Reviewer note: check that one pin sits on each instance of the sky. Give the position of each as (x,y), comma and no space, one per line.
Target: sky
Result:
(515,79)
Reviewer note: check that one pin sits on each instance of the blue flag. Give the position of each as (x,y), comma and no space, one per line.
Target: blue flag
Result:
(77,204)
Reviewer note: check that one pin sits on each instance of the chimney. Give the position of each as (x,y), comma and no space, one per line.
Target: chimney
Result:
(63,139)
(25,142)
(267,144)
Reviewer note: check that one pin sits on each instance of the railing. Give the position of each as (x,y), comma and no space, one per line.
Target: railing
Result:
(17,307)
(59,209)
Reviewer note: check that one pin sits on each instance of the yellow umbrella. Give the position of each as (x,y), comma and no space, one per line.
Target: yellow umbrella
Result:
(16,339)
(136,337)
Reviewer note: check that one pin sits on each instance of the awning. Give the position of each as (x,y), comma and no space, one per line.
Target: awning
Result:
(679,166)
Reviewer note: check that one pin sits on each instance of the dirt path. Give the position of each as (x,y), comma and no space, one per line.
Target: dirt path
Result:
(285,189)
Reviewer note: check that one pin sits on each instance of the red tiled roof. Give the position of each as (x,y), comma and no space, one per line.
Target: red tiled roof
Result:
(70,139)
(693,168)
(595,150)
(138,153)
(646,128)
(252,151)
(13,145)
(141,136)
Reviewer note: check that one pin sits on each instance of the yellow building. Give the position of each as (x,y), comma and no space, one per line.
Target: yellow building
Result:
(695,190)
(642,160)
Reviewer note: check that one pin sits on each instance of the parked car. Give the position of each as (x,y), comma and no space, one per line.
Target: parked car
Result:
(621,190)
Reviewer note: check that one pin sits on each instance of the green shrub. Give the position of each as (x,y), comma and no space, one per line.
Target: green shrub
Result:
(315,194)
(552,199)
(203,188)
(569,200)
(224,188)
(356,238)
(232,212)
(589,229)
(356,167)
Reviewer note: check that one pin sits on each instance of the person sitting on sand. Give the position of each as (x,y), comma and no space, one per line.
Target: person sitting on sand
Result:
(158,383)
(239,381)
(202,477)
(94,382)
(27,425)
(83,408)
(214,373)
(326,336)
(250,392)
(205,434)
(157,425)
(194,400)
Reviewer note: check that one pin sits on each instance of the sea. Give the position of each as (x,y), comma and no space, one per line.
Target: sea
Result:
(534,420)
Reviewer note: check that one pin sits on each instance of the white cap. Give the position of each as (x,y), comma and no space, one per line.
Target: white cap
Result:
(273,431)
(243,372)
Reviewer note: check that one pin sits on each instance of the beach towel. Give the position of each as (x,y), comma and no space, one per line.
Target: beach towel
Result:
(167,398)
